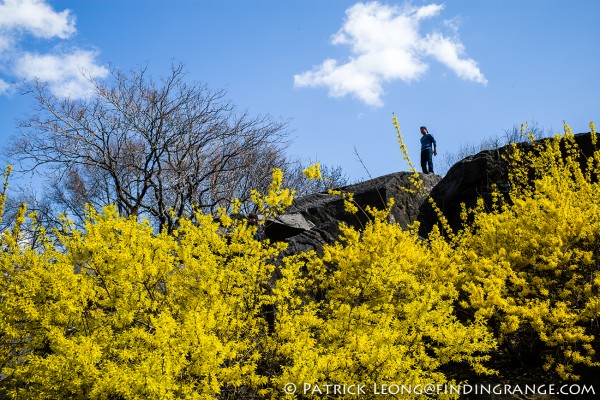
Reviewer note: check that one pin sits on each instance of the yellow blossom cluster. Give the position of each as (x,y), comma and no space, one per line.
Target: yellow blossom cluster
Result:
(277,199)
(313,171)
(415,180)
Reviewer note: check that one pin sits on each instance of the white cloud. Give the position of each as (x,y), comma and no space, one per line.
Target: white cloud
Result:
(386,45)
(61,70)
(37,18)
(449,53)
(65,73)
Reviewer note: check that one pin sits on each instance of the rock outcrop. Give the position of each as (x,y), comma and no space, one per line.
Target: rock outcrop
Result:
(472,178)
(314,220)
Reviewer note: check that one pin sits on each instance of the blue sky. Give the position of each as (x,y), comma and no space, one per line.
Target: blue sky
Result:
(335,69)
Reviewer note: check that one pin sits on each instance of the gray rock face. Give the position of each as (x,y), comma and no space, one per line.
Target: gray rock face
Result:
(314,220)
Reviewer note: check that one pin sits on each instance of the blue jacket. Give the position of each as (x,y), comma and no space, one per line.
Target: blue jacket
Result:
(427,142)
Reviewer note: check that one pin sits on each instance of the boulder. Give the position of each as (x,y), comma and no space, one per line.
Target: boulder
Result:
(314,220)
(472,178)
(465,182)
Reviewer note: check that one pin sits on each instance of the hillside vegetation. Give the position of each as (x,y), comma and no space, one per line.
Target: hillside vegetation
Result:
(115,310)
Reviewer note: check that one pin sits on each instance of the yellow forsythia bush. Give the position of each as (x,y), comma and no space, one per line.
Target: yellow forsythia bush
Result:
(117,311)
(386,316)
(532,265)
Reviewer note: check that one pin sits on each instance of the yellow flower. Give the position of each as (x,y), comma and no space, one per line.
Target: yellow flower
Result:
(313,171)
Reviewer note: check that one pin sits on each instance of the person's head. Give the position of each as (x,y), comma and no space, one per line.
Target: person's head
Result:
(424,130)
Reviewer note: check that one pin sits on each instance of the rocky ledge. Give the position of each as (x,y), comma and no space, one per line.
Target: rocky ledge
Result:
(314,220)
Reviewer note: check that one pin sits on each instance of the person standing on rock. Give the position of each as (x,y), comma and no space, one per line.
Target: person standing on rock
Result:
(428,150)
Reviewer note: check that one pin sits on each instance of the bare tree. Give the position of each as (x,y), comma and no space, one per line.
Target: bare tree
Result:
(152,148)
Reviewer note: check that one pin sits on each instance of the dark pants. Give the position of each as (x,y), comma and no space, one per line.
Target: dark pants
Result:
(427,161)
